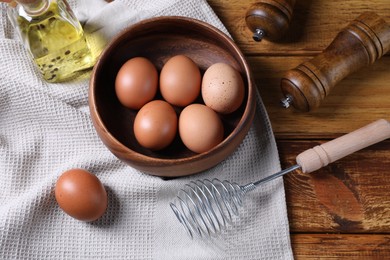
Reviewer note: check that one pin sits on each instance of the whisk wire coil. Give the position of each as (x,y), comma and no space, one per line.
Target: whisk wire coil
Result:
(206,207)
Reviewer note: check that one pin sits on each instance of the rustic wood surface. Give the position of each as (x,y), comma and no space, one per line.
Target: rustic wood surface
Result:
(343,210)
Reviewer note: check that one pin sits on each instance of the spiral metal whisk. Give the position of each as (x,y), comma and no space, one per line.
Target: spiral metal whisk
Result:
(205,207)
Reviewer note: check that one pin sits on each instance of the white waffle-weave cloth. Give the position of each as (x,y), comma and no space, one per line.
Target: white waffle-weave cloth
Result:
(45,129)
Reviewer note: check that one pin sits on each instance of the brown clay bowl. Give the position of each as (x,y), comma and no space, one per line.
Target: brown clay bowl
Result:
(158,39)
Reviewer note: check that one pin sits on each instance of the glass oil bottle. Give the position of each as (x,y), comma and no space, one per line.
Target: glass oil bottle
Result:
(53,36)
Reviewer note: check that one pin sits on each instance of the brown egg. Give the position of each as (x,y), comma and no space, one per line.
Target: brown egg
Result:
(222,88)
(136,83)
(155,125)
(81,195)
(200,128)
(180,81)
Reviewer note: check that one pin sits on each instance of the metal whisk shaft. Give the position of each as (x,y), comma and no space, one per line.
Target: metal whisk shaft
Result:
(206,207)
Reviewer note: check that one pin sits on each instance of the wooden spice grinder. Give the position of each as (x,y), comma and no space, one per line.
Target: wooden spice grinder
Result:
(269,19)
(360,44)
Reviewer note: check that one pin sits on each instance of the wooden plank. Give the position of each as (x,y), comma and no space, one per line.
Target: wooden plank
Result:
(343,210)
(338,246)
(348,196)
(359,99)
(313,26)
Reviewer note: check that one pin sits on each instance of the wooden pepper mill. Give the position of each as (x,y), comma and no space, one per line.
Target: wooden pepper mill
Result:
(361,43)
(269,19)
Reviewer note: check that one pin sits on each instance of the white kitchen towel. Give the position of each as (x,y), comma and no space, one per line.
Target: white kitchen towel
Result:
(45,129)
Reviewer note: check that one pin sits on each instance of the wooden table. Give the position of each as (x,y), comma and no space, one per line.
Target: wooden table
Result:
(342,210)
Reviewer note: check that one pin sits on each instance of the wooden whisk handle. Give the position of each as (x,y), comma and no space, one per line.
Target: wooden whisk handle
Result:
(361,43)
(324,154)
(269,19)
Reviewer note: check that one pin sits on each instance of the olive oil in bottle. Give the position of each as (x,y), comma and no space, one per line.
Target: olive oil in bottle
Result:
(53,36)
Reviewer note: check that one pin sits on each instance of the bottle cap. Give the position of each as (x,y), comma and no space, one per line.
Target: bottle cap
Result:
(28,2)
(34,7)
